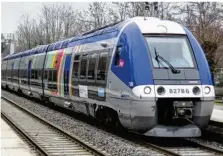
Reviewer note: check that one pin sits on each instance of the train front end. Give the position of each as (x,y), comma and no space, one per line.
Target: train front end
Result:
(184,102)
(174,84)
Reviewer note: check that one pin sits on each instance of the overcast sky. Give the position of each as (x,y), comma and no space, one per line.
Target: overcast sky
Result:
(12,11)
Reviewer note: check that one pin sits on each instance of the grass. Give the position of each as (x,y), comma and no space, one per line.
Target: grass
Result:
(218,102)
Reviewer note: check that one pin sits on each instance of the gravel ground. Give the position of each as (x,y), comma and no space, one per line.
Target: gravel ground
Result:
(108,142)
(208,143)
(112,144)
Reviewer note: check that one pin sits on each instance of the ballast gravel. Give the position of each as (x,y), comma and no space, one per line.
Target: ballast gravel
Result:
(108,142)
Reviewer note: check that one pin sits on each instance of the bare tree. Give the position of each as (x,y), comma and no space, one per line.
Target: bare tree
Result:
(57,21)
(204,19)
(24,32)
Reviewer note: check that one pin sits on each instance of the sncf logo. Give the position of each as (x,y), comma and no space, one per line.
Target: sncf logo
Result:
(121,63)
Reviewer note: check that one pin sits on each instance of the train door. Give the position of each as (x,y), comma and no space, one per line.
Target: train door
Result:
(29,74)
(66,75)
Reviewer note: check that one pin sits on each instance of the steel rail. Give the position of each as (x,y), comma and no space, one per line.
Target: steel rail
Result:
(23,134)
(86,146)
(167,151)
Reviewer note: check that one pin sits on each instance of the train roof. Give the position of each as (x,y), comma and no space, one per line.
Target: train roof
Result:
(112,30)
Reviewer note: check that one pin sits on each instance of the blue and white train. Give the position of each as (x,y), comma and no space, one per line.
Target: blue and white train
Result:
(147,74)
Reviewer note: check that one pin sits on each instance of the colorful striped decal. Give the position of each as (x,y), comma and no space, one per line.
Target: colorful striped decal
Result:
(59,58)
(61,93)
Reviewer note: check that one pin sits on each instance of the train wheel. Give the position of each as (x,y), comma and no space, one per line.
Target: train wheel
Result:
(108,118)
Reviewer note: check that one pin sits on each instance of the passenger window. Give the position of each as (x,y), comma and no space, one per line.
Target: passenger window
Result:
(46,74)
(91,66)
(77,58)
(32,74)
(55,75)
(50,78)
(39,74)
(75,68)
(36,72)
(101,72)
(83,67)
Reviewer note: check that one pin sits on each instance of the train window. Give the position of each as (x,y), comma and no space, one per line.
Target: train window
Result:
(55,75)
(101,72)
(75,71)
(39,74)
(117,55)
(32,74)
(50,76)
(83,67)
(91,66)
(77,57)
(46,74)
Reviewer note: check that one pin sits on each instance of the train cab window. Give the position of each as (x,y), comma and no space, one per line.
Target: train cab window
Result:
(91,67)
(102,72)
(117,55)
(83,67)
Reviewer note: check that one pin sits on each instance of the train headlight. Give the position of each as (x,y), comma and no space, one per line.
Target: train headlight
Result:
(147,90)
(160,90)
(207,90)
(196,90)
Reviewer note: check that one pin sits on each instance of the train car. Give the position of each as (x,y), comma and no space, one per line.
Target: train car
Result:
(147,74)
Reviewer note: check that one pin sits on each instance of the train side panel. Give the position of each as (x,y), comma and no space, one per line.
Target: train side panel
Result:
(36,75)
(4,71)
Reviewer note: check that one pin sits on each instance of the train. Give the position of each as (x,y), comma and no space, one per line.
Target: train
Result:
(147,74)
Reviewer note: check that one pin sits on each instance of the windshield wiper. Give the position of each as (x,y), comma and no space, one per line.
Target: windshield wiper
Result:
(174,70)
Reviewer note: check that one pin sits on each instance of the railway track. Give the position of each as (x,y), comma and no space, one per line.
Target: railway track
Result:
(214,131)
(176,147)
(44,136)
(184,147)
(216,124)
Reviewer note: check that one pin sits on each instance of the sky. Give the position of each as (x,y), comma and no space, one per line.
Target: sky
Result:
(12,11)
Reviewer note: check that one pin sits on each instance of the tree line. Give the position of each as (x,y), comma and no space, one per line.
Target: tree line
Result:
(60,20)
